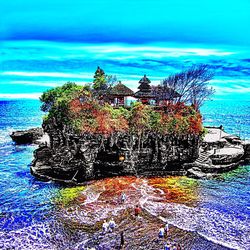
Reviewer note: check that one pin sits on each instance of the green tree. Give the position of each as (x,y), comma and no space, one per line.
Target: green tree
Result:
(100,81)
(56,100)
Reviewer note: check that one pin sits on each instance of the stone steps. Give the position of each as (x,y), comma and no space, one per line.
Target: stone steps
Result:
(204,156)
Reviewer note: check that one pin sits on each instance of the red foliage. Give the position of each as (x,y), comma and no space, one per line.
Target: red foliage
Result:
(195,124)
(94,118)
(75,106)
(90,117)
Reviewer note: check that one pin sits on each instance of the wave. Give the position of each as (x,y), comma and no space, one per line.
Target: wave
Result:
(34,96)
(221,228)
(102,201)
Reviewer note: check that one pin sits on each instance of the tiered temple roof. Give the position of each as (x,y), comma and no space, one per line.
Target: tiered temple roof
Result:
(144,89)
(99,71)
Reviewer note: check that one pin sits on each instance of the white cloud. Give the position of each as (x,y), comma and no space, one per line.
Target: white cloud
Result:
(49,74)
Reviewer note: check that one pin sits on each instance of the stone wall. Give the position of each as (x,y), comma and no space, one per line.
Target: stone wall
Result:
(74,157)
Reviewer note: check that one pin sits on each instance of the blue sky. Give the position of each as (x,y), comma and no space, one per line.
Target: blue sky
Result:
(45,43)
(135,21)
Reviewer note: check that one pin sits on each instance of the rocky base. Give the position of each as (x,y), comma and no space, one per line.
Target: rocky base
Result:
(218,155)
(74,158)
(66,157)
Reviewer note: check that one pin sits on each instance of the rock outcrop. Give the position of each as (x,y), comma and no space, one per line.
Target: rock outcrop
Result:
(27,136)
(219,152)
(71,157)
(68,157)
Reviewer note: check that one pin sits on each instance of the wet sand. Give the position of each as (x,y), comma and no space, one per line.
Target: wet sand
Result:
(101,201)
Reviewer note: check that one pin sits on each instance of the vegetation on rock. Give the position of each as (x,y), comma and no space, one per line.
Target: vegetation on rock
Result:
(56,101)
(86,110)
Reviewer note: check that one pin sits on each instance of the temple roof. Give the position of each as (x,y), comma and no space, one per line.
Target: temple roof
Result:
(145,84)
(144,94)
(166,93)
(121,90)
(144,89)
(145,80)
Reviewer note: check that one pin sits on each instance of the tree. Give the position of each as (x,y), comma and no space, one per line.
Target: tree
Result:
(55,101)
(51,97)
(191,84)
(99,79)
(102,83)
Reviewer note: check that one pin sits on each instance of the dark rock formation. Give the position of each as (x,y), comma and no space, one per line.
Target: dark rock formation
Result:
(219,152)
(27,136)
(71,157)
(246,146)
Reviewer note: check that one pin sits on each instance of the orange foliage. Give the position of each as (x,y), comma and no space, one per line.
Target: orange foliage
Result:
(90,117)
(180,118)
(195,124)
(94,118)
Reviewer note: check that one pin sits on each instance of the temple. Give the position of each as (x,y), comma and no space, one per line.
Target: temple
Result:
(118,95)
(145,94)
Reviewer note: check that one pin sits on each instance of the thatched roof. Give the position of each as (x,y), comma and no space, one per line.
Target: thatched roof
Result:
(169,93)
(121,90)
(144,94)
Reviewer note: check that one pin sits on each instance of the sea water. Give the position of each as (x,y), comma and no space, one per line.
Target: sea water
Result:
(33,214)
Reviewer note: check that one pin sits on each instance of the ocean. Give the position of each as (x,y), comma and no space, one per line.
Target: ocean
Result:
(41,215)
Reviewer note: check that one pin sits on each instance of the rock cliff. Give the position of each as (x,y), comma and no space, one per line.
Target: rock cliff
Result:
(74,158)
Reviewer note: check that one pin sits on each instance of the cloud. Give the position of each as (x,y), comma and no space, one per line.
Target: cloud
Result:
(38,64)
(36,83)
(47,74)
(134,21)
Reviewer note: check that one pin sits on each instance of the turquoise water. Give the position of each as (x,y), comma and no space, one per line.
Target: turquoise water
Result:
(234,115)
(29,215)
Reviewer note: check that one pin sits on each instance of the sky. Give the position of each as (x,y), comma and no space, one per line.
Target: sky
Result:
(136,21)
(44,43)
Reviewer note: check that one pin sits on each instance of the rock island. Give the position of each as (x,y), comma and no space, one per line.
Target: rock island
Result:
(108,130)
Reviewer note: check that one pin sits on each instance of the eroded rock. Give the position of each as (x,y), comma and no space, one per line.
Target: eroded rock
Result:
(75,158)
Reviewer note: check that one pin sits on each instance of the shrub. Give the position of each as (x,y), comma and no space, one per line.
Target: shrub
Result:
(74,105)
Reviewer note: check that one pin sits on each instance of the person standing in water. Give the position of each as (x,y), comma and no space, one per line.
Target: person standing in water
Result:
(161,233)
(105,226)
(166,228)
(122,240)
(111,225)
(137,211)
(167,246)
(123,197)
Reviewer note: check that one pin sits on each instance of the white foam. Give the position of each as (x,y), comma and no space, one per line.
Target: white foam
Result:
(20,96)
